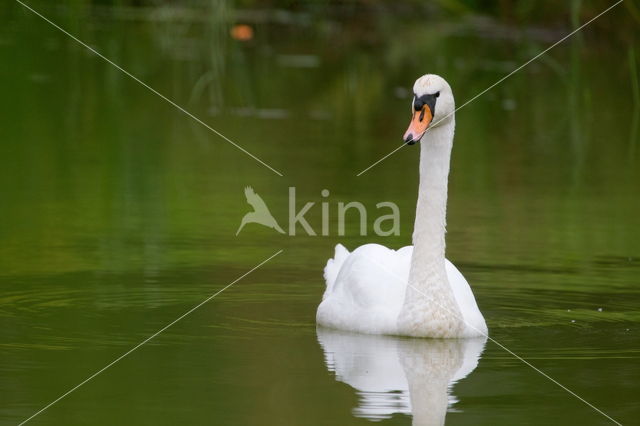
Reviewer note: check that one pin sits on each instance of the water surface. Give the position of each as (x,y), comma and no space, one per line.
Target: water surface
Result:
(118,214)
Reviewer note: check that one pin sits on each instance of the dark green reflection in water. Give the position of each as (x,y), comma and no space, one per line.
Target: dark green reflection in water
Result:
(118,212)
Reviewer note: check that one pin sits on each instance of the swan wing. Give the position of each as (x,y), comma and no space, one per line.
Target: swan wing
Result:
(365,289)
(333,266)
(474,321)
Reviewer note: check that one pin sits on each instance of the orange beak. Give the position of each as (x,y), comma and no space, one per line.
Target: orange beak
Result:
(418,125)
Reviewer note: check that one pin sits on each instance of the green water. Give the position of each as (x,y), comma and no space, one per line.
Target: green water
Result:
(118,213)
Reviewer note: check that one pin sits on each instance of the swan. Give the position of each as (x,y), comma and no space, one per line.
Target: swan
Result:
(406,376)
(413,291)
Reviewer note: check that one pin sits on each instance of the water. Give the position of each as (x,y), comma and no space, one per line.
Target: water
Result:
(119,214)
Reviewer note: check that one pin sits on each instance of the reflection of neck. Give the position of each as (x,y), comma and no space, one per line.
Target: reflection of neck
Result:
(429,369)
(430,308)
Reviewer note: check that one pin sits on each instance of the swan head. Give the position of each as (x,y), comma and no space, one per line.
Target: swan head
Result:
(431,106)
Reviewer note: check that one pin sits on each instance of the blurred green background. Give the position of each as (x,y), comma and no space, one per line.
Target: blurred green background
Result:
(118,212)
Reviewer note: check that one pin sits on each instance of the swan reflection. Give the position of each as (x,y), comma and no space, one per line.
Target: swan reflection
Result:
(396,375)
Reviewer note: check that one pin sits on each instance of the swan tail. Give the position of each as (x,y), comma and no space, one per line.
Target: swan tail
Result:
(334,265)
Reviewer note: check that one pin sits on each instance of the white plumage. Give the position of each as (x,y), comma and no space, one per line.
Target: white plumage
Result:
(366,290)
(412,291)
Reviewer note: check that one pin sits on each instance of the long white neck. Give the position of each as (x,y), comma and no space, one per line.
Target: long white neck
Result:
(430,309)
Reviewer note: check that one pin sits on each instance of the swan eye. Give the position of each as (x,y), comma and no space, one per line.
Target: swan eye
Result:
(436,94)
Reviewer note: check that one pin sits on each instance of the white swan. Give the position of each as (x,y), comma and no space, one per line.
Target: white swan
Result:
(393,375)
(413,291)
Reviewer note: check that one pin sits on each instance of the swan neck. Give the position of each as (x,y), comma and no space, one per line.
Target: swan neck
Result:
(430,223)
(430,308)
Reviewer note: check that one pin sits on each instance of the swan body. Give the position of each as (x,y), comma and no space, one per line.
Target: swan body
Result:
(413,291)
(366,290)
